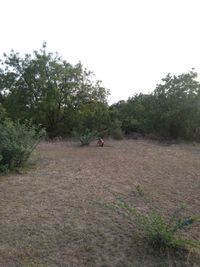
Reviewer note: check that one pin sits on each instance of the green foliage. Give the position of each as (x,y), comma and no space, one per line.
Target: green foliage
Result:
(50,91)
(17,141)
(171,111)
(3,114)
(86,137)
(93,116)
(64,98)
(160,233)
(115,130)
(116,133)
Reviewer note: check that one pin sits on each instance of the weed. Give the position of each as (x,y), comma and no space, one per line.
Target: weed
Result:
(160,233)
(139,190)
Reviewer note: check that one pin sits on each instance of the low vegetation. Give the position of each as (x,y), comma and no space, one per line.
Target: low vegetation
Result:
(160,233)
(17,141)
(86,137)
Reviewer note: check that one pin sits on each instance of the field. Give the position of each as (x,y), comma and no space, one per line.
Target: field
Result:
(55,213)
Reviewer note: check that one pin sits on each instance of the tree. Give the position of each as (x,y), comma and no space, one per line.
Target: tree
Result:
(48,90)
(172,110)
(178,105)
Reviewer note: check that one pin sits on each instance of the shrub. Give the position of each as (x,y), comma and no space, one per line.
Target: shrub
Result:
(160,233)
(17,141)
(86,137)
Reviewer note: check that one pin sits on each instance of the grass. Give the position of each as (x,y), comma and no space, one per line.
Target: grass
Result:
(51,215)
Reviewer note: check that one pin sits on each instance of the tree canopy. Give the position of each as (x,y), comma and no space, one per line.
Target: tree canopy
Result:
(172,110)
(63,98)
(48,90)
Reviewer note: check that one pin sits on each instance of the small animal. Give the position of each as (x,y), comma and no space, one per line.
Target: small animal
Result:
(100,142)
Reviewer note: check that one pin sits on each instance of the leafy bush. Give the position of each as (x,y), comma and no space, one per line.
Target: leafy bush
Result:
(87,137)
(17,141)
(159,232)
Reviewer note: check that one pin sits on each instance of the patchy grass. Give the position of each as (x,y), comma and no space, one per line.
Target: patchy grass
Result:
(55,213)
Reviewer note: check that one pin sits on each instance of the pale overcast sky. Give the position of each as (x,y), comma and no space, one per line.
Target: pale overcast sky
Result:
(129,44)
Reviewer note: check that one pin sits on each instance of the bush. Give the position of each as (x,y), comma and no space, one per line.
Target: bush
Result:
(160,233)
(86,137)
(17,141)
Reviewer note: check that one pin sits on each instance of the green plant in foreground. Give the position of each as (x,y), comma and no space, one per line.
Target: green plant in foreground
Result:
(160,233)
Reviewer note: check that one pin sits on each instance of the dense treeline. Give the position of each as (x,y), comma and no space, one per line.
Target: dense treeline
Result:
(172,110)
(66,99)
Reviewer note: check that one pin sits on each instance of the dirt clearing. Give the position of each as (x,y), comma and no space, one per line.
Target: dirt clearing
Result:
(55,214)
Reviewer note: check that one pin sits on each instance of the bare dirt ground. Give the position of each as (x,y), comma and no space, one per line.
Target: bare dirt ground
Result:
(55,213)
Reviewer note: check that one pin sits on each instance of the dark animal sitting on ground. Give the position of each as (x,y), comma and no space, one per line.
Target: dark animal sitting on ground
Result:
(100,142)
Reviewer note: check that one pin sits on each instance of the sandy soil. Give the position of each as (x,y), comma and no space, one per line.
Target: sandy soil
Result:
(55,213)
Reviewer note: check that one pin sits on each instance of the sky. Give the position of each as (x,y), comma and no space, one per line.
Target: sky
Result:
(129,44)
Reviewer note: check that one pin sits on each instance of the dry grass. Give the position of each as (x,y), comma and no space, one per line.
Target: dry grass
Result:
(53,214)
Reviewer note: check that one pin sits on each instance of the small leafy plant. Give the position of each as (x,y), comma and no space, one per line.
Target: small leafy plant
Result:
(160,233)
(87,137)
